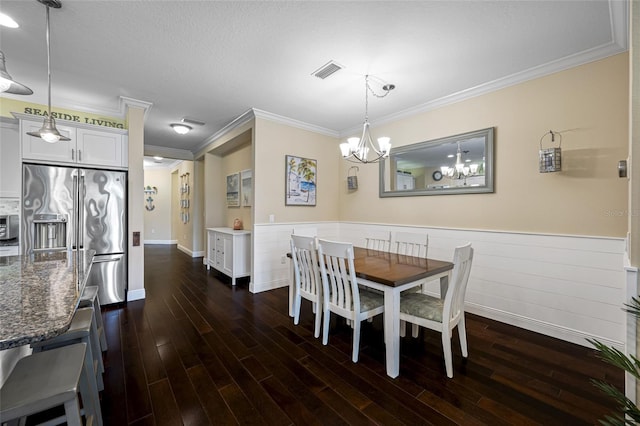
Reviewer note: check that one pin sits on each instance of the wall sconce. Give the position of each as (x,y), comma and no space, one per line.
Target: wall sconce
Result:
(550,159)
(352,181)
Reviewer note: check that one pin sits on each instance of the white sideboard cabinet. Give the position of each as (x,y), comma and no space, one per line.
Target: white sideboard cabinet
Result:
(229,252)
(89,145)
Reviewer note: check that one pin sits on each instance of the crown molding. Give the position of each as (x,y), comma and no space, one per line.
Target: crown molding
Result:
(126,102)
(294,123)
(234,124)
(254,113)
(619,16)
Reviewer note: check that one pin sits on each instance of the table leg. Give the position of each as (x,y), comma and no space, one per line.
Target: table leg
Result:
(392,330)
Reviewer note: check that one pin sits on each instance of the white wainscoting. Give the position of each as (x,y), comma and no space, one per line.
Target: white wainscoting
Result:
(569,287)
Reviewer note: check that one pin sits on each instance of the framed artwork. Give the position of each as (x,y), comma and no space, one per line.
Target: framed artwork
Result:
(233,190)
(246,186)
(300,178)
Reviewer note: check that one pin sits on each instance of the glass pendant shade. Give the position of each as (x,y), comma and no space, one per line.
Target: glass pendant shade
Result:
(8,84)
(48,132)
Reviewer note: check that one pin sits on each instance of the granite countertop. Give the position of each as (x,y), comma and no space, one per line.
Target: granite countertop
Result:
(39,294)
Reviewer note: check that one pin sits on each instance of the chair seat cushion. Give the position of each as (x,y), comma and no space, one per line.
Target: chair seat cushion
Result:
(370,300)
(422,305)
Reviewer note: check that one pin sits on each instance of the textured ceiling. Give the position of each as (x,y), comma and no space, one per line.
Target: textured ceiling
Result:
(214,60)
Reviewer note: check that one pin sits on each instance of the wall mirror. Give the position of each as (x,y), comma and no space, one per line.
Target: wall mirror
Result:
(460,164)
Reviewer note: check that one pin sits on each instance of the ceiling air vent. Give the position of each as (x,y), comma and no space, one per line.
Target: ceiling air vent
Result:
(327,69)
(187,120)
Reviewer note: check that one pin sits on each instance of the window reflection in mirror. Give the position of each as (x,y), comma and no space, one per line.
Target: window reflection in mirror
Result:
(459,164)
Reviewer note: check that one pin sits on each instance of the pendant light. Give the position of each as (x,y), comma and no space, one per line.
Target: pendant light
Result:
(8,84)
(48,132)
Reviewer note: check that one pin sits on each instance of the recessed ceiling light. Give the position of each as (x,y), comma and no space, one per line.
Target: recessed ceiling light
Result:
(181,129)
(7,21)
(158,158)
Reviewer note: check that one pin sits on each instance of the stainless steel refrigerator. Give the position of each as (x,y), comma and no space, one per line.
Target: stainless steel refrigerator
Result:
(65,207)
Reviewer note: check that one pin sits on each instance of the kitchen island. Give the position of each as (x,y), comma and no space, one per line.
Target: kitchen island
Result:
(39,294)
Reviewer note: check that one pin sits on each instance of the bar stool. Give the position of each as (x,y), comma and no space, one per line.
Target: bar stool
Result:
(89,298)
(45,380)
(82,330)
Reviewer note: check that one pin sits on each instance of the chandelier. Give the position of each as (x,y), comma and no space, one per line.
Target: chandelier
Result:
(48,132)
(363,150)
(460,169)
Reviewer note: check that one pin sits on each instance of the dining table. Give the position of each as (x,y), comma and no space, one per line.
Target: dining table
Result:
(392,274)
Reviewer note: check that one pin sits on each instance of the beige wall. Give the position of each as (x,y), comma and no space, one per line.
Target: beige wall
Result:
(234,162)
(135,120)
(273,142)
(157,222)
(588,104)
(214,188)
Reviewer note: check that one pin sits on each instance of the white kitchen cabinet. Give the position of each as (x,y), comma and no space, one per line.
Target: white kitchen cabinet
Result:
(34,148)
(98,147)
(89,145)
(229,252)
(10,172)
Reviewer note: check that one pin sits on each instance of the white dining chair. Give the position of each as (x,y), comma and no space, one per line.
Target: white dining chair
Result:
(416,245)
(341,293)
(305,231)
(411,244)
(380,241)
(307,280)
(443,315)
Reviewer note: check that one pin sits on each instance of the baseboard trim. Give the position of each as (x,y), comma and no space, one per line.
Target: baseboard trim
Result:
(272,285)
(552,330)
(199,253)
(138,294)
(160,241)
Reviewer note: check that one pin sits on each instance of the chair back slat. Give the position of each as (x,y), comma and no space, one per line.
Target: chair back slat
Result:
(305,264)
(380,241)
(411,244)
(454,299)
(339,281)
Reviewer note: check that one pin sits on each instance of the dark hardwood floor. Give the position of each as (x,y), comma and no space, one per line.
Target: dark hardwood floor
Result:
(197,351)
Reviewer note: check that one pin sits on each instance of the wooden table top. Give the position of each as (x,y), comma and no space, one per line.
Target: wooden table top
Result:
(394,269)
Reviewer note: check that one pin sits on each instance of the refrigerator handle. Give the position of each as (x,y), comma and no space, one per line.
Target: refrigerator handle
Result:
(74,216)
(81,208)
(73,156)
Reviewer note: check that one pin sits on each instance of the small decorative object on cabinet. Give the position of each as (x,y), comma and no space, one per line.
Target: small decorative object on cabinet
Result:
(229,252)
